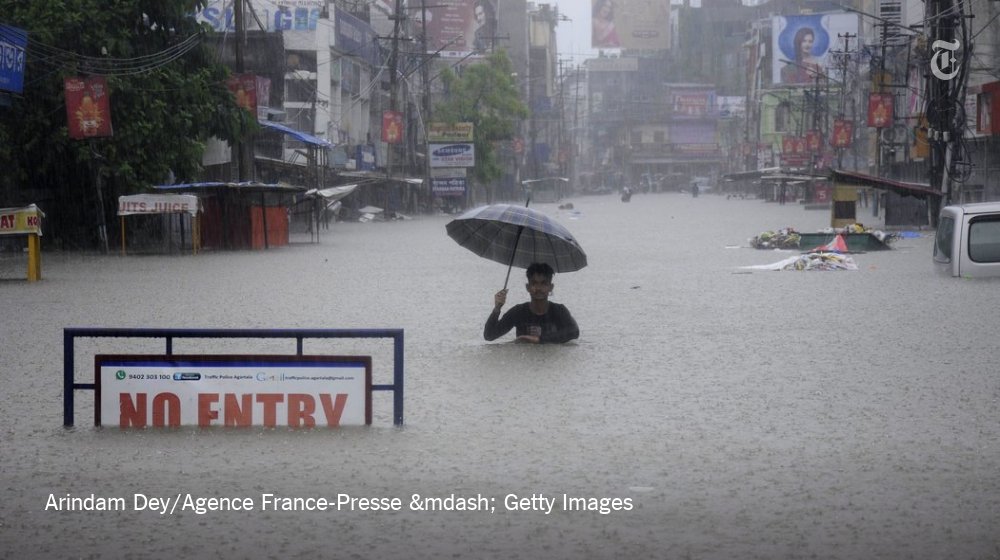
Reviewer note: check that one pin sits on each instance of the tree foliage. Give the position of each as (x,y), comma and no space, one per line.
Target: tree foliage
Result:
(486,95)
(161,116)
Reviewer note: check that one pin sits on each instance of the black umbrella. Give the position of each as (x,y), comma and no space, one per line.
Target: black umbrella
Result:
(517,235)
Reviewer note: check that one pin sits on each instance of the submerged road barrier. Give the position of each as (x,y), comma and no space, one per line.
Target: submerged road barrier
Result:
(168,335)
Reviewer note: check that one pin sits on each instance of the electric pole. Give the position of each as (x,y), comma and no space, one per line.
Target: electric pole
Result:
(397,18)
(844,59)
(244,145)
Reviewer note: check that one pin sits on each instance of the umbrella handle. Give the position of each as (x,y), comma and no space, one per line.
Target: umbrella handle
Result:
(513,253)
(516,241)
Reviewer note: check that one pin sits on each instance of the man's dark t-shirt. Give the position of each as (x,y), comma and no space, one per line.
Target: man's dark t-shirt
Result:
(556,325)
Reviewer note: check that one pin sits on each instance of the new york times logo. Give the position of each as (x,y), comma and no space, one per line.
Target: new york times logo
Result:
(944,65)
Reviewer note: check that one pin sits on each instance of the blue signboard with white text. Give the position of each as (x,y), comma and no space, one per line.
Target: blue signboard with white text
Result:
(355,37)
(13,43)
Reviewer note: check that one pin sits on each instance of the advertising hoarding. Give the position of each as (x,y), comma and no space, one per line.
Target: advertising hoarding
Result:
(88,107)
(458,28)
(392,127)
(448,181)
(450,132)
(13,43)
(355,37)
(880,110)
(453,155)
(274,15)
(235,390)
(802,45)
(630,24)
(252,93)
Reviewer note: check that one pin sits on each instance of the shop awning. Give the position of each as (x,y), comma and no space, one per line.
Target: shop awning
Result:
(919,190)
(750,175)
(243,187)
(297,134)
(333,194)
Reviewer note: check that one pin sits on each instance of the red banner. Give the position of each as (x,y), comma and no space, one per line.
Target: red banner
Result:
(392,127)
(843,131)
(88,107)
(813,140)
(244,87)
(880,110)
(794,145)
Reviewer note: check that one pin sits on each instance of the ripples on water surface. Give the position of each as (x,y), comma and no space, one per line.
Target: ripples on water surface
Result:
(764,415)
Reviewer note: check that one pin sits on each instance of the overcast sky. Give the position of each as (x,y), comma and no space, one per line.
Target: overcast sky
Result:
(574,36)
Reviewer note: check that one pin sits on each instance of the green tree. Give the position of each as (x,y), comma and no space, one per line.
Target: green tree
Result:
(167,96)
(485,95)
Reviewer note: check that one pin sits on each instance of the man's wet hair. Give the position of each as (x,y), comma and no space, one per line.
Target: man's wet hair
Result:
(540,268)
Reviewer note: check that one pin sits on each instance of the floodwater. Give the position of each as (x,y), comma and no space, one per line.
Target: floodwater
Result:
(771,415)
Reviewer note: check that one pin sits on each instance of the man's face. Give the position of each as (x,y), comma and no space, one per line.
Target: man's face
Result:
(480,15)
(539,287)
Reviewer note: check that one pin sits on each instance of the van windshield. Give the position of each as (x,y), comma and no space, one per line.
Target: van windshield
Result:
(942,242)
(984,239)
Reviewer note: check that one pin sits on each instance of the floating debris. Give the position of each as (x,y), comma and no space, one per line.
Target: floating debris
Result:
(786,238)
(810,261)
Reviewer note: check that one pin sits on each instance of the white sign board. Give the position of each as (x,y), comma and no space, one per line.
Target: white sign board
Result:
(232,390)
(158,204)
(453,155)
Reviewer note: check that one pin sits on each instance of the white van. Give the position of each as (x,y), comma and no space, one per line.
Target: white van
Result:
(968,240)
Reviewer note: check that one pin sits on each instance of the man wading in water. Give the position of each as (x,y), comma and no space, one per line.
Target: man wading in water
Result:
(539,321)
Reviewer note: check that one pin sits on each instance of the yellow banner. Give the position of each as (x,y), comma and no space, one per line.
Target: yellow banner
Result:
(27,219)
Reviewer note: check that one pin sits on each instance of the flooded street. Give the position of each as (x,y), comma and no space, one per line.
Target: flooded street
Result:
(770,415)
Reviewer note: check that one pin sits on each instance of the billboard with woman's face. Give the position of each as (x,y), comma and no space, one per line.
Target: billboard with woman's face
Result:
(461,27)
(802,45)
(630,24)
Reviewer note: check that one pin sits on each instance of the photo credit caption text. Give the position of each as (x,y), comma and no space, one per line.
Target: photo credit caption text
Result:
(337,503)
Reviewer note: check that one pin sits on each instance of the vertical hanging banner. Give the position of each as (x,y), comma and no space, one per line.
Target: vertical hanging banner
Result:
(880,110)
(244,88)
(843,130)
(88,107)
(813,141)
(263,96)
(392,127)
(13,42)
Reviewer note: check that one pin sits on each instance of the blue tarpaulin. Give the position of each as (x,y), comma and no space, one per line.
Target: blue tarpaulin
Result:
(298,135)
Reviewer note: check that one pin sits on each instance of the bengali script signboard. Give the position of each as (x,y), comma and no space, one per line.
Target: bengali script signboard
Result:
(232,390)
(13,43)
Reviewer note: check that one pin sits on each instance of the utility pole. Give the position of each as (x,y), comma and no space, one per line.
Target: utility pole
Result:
(844,59)
(941,131)
(244,146)
(425,73)
(397,18)
(880,86)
